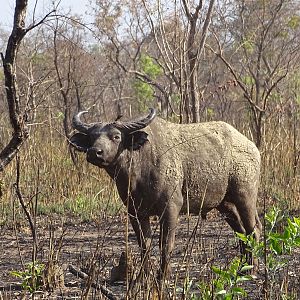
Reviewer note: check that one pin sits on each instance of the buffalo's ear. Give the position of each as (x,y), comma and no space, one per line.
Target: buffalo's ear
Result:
(135,140)
(80,141)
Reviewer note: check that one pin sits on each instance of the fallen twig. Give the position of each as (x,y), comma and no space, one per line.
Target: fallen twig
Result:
(105,291)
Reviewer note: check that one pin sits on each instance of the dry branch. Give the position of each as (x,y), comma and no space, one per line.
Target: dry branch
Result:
(106,292)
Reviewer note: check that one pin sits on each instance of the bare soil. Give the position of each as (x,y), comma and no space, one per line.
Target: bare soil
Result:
(95,248)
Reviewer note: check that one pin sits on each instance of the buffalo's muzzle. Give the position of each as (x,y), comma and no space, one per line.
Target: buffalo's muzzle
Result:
(95,155)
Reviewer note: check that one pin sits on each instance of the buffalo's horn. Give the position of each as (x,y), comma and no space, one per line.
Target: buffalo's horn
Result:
(138,124)
(78,124)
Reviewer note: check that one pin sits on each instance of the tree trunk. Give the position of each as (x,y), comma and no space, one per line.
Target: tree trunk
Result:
(17,118)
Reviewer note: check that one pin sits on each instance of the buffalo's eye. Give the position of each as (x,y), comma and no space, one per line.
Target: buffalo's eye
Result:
(116,137)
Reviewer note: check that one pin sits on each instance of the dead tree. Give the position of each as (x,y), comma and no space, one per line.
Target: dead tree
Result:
(17,116)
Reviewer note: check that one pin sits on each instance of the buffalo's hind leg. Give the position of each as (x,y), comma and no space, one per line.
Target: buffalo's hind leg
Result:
(243,218)
(232,217)
(245,202)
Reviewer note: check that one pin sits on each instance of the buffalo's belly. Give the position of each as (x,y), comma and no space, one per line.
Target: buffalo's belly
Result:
(204,194)
(205,186)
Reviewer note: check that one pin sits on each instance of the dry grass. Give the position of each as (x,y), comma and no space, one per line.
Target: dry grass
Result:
(62,186)
(280,177)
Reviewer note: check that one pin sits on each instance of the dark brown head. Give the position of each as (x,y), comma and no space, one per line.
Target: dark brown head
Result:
(104,142)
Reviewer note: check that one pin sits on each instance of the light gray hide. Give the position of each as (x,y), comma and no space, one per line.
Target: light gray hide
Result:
(202,166)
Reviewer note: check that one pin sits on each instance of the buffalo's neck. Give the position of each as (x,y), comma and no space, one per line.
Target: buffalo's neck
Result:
(137,181)
(121,168)
(119,174)
(123,173)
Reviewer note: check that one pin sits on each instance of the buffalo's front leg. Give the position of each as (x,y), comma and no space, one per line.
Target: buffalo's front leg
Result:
(168,225)
(142,229)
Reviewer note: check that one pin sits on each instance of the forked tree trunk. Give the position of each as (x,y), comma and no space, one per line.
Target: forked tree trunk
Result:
(17,118)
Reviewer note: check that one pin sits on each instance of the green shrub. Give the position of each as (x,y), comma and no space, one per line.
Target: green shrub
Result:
(228,282)
(32,277)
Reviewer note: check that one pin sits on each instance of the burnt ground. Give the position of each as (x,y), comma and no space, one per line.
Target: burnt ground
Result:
(95,247)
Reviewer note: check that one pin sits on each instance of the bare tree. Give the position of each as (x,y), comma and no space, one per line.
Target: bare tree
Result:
(194,51)
(173,38)
(261,52)
(17,115)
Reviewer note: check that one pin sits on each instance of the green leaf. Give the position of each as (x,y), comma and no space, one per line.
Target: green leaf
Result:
(286,234)
(242,237)
(244,278)
(222,292)
(275,236)
(239,291)
(149,67)
(276,247)
(297,241)
(17,274)
(292,226)
(246,268)
(297,221)
(216,270)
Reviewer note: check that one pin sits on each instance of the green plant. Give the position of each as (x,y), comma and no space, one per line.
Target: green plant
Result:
(89,207)
(227,284)
(143,88)
(282,235)
(32,276)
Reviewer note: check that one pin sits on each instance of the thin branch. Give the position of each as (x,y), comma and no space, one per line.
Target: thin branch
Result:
(34,25)
(19,194)
(236,77)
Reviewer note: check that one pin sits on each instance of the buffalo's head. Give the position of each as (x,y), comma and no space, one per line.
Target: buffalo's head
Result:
(103,142)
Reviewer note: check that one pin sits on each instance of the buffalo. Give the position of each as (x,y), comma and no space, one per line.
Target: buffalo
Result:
(162,168)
